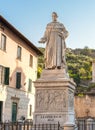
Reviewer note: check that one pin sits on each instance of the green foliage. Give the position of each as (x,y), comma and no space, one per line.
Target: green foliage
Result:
(39,71)
(79,65)
(40,63)
(86,51)
(80,95)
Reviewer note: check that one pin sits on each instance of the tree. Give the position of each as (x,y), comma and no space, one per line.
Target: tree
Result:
(86,51)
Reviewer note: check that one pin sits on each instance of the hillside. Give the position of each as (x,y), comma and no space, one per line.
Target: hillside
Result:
(79,62)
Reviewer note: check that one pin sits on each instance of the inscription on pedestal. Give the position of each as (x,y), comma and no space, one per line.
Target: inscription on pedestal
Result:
(50,118)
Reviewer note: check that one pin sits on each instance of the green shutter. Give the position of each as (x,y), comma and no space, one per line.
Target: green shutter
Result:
(18,80)
(30,85)
(30,112)
(6,77)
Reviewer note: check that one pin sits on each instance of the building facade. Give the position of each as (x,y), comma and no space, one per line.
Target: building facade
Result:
(18,70)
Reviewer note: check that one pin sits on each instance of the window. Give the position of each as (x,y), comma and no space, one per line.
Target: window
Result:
(3,42)
(30,85)
(19,52)
(31,61)
(4,75)
(18,80)
(30,110)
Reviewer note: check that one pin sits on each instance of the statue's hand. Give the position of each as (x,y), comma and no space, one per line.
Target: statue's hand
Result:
(61,35)
(42,40)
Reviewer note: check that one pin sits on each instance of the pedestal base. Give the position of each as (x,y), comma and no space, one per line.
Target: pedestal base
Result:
(54,98)
(69,126)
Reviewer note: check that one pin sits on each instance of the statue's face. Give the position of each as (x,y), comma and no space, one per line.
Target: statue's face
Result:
(54,17)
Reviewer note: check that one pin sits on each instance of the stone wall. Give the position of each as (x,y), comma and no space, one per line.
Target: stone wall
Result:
(85,106)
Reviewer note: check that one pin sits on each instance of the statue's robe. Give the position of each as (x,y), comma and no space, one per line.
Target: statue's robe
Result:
(55,46)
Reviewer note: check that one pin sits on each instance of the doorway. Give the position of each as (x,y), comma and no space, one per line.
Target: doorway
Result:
(1,106)
(14,111)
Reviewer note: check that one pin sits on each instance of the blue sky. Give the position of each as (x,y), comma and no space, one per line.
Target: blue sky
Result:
(31,16)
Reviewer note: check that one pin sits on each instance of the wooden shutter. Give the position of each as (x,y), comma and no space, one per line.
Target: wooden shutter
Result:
(6,76)
(31,61)
(18,80)
(3,42)
(30,85)
(30,111)
(19,52)
(1,107)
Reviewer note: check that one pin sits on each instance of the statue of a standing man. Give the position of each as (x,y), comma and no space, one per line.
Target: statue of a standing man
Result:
(54,37)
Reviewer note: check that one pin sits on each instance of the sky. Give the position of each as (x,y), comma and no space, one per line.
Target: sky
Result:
(30,17)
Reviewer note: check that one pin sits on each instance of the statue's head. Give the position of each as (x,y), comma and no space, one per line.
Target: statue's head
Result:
(54,16)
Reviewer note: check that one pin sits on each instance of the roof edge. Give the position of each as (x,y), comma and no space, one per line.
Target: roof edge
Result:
(20,35)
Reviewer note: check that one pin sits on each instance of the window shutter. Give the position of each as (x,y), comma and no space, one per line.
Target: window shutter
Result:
(30,112)
(6,76)
(31,61)
(30,85)
(3,42)
(19,52)
(18,80)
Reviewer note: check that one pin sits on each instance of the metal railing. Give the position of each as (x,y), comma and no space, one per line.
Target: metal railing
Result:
(16,126)
(86,124)
(29,126)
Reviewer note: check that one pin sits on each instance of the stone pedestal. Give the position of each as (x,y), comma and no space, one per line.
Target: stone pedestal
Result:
(69,126)
(54,98)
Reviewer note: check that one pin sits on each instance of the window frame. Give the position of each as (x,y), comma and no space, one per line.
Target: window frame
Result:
(19,54)
(31,61)
(30,110)
(30,85)
(3,47)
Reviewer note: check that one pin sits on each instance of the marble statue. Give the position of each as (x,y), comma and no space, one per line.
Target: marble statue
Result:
(54,38)
(54,90)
